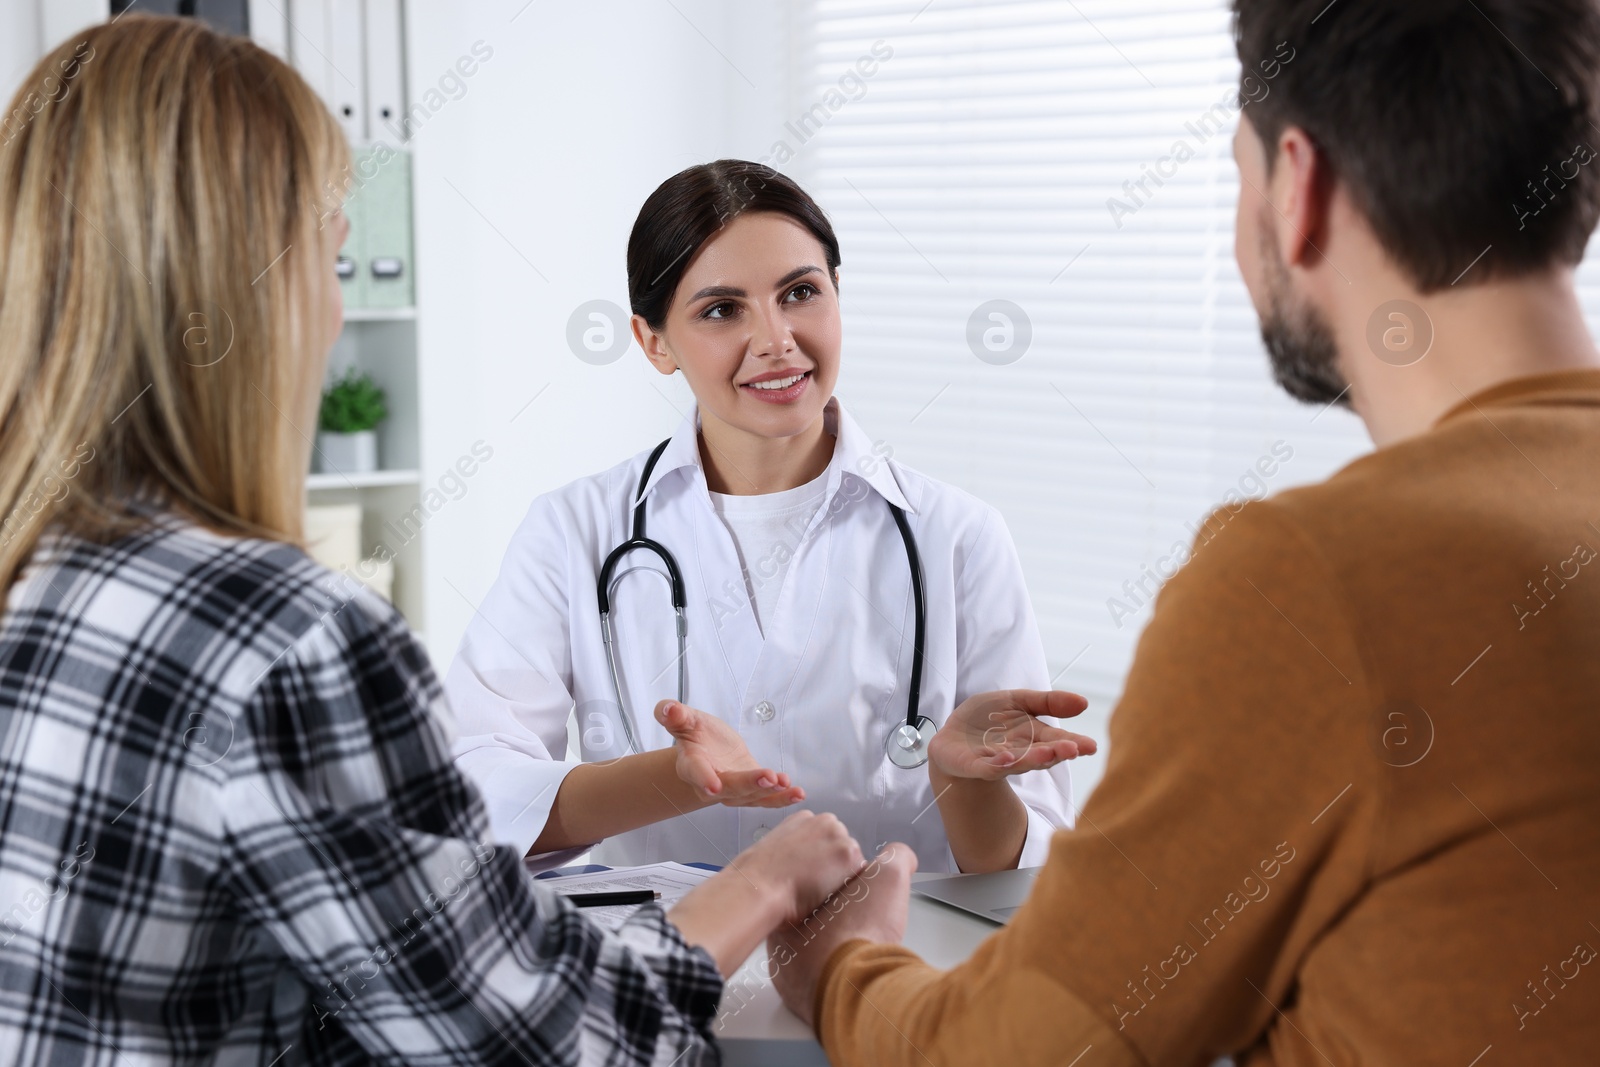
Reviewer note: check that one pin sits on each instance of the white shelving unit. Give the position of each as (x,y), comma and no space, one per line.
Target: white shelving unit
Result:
(372,480)
(380,315)
(382,342)
(352,53)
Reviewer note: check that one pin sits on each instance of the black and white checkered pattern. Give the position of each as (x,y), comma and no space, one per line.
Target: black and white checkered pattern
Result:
(231,832)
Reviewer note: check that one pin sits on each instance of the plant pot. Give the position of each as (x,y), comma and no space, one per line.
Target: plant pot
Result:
(347,453)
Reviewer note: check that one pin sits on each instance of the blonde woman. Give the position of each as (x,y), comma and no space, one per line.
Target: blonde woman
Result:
(231,828)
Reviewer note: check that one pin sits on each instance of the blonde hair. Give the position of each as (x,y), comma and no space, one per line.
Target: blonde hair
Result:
(161,191)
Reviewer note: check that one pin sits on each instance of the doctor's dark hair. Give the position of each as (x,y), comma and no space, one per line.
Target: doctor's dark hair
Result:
(691,207)
(1455,127)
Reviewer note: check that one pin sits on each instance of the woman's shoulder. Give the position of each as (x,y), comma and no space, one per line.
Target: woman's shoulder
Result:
(240,601)
(282,578)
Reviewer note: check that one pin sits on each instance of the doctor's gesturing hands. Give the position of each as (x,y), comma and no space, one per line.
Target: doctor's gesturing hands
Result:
(713,761)
(988,737)
(992,735)
(707,764)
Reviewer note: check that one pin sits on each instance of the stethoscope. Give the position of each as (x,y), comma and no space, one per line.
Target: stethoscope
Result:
(906,745)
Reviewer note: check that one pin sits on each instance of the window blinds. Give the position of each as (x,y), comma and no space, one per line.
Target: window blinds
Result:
(1035,200)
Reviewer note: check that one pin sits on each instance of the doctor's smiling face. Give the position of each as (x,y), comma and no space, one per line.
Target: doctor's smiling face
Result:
(754,327)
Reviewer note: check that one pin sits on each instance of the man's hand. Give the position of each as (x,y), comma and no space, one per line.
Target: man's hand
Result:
(713,760)
(805,859)
(872,905)
(992,735)
(781,878)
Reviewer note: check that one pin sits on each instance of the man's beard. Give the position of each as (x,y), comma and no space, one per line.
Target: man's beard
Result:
(1305,357)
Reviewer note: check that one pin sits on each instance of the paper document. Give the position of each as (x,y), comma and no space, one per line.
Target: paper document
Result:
(672,880)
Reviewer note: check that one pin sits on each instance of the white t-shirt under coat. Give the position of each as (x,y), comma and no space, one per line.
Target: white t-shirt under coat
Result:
(767,529)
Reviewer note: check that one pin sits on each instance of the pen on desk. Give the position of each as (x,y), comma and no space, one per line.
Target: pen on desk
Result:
(606,900)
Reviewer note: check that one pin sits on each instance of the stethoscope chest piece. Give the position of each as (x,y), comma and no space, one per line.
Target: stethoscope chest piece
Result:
(908,745)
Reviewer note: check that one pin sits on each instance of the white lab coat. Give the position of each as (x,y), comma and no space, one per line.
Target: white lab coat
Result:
(815,697)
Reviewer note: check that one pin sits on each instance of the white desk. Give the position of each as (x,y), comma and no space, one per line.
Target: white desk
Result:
(756,1029)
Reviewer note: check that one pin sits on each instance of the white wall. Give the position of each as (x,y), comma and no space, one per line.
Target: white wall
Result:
(20,45)
(527,186)
(60,18)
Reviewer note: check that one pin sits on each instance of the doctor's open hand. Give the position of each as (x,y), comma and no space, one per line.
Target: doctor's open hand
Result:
(713,760)
(993,735)
(987,739)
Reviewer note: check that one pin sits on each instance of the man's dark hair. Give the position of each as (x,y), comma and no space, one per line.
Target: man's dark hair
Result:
(1456,125)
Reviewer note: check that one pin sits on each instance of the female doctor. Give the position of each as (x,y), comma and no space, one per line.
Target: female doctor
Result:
(798,590)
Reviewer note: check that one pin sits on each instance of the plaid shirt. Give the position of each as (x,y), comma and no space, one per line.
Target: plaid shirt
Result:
(231,832)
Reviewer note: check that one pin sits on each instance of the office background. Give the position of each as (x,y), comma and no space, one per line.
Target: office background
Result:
(1035,202)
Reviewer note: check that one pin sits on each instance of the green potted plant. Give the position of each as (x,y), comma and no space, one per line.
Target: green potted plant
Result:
(352,408)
